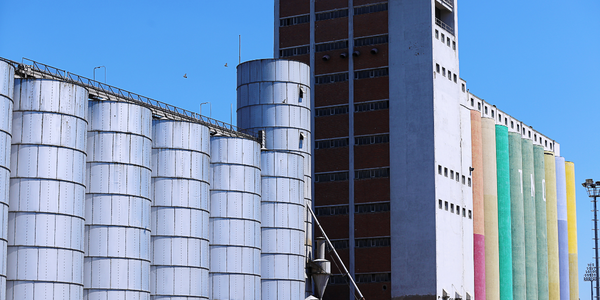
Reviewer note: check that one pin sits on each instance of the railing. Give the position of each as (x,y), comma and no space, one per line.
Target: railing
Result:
(102,89)
(449,3)
(444,26)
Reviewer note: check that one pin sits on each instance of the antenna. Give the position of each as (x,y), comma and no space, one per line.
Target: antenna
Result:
(240,48)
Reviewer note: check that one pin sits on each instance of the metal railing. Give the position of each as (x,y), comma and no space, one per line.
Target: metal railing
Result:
(444,26)
(448,2)
(99,89)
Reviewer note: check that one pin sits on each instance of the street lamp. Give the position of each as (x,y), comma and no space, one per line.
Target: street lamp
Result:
(590,275)
(104,72)
(209,104)
(593,190)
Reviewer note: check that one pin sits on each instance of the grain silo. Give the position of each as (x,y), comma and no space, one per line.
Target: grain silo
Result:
(180,210)
(235,228)
(46,215)
(7,74)
(117,254)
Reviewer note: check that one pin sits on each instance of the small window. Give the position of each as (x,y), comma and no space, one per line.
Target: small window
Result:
(455,79)
(492,113)
(451,207)
(479,106)
(440,203)
(470,216)
(301,144)
(499,117)
(550,146)
(469,181)
(446,205)
(446,172)
(439,169)
(464,212)
(472,102)
(463,89)
(529,133)
(512,124)
(486,110)
(458,210)
(457,177)
(505,121)
(546,143)
(453,45)
(535,137)
(449,75)
(463,179)
(437,67)
(443,37)
(451,174)
(523,130)
(437,33)
(443,71)
(518,128)
(448,41)
(300,95)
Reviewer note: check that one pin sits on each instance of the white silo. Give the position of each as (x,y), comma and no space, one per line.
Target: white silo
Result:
(180,210)
(283,253)
(7,74)
(235,229)
(274,95)
(117,217)
(46,214)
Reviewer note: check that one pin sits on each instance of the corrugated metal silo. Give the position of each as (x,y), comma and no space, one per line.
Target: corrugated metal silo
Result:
(47,187)
(235,229)
(7,74)
(283,255)
(274,95)
(117,217)
(180,211)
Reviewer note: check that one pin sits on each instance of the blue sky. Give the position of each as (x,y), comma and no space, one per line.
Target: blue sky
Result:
(536,60)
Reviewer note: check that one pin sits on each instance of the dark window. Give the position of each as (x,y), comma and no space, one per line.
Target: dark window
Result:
(294,20)
(372,40)
(332,14)
(469,181)
(463,89)
(372,242)
(437,34)
(331,111)
(331,46)
(337,176)
(371,106)
(370,9)
(371,73)
(331,78)
(470,216)
(372,173)
(294,51)
(453,45)
(446,205)
(439,169)
(372,208)
(372,139)
(440,204)
(455,79)
(338,279)
(333,143)
(331,210)
(378,277)
(437,68)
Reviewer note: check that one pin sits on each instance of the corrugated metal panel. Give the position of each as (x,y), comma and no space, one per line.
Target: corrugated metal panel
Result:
(505,264)
(517,215)
(572,229)
(530,219)
(552,226)
(540,222)
(563,228)
(46,215)
(117,218)
(235,219)
(490,204)
(180,212)
(7,73)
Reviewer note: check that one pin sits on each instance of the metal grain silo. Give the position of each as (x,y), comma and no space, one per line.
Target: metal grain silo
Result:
(180,210)
(283,254)
(47,188)
(274,96)
(7,74)
(117,217)
(235,214)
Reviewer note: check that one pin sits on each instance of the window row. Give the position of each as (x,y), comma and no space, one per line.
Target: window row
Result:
(294,20)
(340,13)
(445,39)
(360,107)
(369,106)
(331,78)
(373,73)
(331,46)
(333,143)
(361,278)
(454,175)
(450,75)
(331,111)
(341,77)
(372,242)
(371,40)
(337,210)
(294,51)
(302,50)
(358,174)
(372,139)
(445,205)
(370,8)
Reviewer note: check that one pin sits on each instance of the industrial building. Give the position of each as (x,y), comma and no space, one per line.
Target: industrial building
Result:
(427,190)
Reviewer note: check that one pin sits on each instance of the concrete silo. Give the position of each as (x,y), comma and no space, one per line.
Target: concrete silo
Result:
(46,215)
(235,228)
(117,221)
(180,210)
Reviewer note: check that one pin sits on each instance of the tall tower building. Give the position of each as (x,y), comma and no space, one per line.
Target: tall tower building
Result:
(392,142)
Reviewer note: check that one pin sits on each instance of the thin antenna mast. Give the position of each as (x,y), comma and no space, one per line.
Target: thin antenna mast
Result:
(240,48)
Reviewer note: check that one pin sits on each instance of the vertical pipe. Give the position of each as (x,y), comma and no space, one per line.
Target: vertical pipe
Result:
(46,209)
(563,230)
(7,75)
(504,215)
(118,201)
(490,199)
(235,215)
(540,221)
(179,213)
(478,210)
(517,216)
(552,227)
(572,228)
(530,219)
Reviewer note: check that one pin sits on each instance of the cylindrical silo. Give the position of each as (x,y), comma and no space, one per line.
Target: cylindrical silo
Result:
(516,215)
(282,258)
(47,188)
(235,214)
(504,221)
(490,199)
(117,218)
(563,227)
(180,210)
(274,96)
(478,211)
(552,227)
(7,75)
(572,227)
(530,219)
(540,221)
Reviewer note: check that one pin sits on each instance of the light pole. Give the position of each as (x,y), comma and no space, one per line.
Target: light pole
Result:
(210,105)
(590,275)
(104,72)
(593,190)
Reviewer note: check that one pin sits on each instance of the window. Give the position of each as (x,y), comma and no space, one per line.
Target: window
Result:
(372,173)
(437,33)
(529,133)
(440,203)
(472,102)
(439,169)
(451,208)
(294,20)
(294,51)
(492,113)
(331,78)
(446,205)
(446,172)
(331,210)
(546,143)
(300,94)
(336,176)
(332,14)
(331,46)
(331,111)
(505,121)
(372,242)
(443,71)
(370,278)
(535,137)
(463,89)
(518,128)
(453,45)
(486,110)
(464,212)
(479,106)
(512,124)
(370,8)
(301,142)
(338,244)
(457,177)
(369,106)
(455,79)
(443,37)
(437,68)
(451,174)
(470,214)
(550,146)
(371,73)
(372,208)
(469,181)
(449,75)
(448,41)
(333,143)
(373,139)
(458,210)
(372,40)
(463,179)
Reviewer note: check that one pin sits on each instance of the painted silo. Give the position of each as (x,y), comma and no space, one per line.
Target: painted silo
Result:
(46,214)
(117,218)
(235,214)
(274,96)
(516,215)
(180,210)
(529,219)
(504,219)
(563,228)
(478,210)
(540,221)
(490,205)
(552,226)
(572,227)
(282,258)
(7,74)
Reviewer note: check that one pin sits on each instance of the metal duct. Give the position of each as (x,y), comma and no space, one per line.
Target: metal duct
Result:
(117,220)
(235,229)
(180,211)
(46,215)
